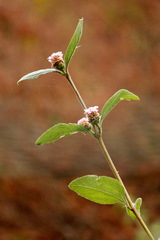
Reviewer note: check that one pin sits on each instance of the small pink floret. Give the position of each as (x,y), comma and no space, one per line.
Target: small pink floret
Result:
(83,121)
(91,110)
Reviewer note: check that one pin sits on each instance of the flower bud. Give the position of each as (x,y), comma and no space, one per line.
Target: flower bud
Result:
(57,61)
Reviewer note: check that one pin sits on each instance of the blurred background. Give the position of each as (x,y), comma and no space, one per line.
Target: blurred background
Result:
(120,48)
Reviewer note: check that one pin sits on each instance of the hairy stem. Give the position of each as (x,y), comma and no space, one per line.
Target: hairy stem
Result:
(75,90)
(117,176)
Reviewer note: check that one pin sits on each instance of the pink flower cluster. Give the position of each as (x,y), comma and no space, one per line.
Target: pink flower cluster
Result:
(55,56)
(92,117)
(83,121)
(91,110)
(56,60)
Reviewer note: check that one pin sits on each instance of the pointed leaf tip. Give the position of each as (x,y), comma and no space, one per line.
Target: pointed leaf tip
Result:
(60,130)
(38,73)
(74,42)
(120,95)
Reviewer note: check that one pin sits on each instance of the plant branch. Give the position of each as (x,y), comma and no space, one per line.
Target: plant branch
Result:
(68,76)
(110,162)
(117,176)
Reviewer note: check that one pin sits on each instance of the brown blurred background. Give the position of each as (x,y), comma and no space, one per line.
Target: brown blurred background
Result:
(120,48)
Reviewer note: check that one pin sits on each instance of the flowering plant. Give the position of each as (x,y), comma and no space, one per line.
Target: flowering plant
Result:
(102,189)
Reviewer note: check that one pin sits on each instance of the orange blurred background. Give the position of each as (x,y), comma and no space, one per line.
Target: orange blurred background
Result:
(120,48)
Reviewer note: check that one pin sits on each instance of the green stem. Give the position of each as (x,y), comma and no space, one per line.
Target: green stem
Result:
(117,176)
(75,90)
(110,162)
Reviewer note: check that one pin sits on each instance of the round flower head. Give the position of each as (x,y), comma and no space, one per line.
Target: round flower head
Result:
(56,60)
(84,122)
(92,114)
(91,110)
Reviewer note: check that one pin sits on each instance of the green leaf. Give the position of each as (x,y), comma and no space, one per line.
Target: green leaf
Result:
(103,190)
(74,42)
(60,130)
(137,205)
(115,99)
(37,73)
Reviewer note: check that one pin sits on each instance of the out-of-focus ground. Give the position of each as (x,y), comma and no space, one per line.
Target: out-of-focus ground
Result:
(120,48)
